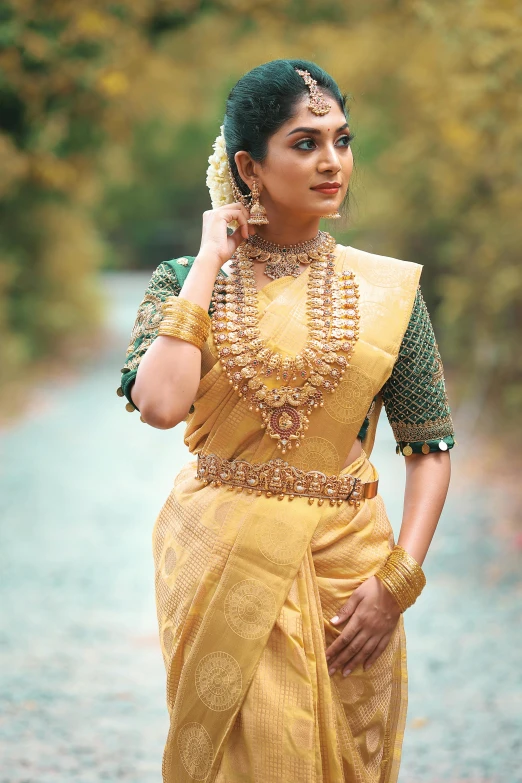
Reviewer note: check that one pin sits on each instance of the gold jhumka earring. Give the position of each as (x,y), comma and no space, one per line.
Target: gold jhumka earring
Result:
(257,211)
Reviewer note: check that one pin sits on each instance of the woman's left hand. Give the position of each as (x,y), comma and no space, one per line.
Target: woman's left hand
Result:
(372,614)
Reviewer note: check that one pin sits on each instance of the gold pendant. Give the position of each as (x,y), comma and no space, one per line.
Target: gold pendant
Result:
(285,424)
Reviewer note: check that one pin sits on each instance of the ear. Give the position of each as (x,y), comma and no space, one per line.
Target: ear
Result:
(247,167)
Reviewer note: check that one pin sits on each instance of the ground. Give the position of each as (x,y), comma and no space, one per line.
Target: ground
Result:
(81,675)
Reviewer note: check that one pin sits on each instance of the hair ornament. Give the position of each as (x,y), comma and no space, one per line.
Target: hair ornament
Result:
(219,178)
(317,104)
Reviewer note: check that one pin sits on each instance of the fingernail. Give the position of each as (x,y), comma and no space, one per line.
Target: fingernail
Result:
(334,619)
(328,657)
(331,670)
(346,672)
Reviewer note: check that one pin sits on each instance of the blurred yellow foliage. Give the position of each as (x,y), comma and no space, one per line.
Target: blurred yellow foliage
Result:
(435,102)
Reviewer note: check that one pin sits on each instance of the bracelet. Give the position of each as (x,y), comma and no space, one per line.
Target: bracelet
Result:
(186,320)
(403,577)
(177,304)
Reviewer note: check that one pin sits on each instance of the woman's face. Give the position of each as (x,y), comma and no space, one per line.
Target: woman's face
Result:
(306,152)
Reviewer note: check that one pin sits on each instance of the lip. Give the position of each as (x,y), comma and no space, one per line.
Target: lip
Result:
(328,187)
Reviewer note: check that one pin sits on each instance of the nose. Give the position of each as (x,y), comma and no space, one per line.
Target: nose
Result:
(330,159)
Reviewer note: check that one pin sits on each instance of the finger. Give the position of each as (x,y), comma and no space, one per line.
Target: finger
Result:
(382,645)
(348,651)
(239,235)
(361,656)
(348,633)
(241,216)
(348,609)
(230,212)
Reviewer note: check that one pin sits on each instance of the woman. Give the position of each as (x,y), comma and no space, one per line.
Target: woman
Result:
(281,616)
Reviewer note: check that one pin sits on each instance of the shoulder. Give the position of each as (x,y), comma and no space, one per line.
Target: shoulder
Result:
(170,275)
(380,270)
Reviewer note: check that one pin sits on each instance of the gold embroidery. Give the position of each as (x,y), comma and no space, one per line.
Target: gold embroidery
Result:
(146,324)
(250,609)
(218,681)
(195,749)
(349,403)
(280,542)
(428,430)
(438,370)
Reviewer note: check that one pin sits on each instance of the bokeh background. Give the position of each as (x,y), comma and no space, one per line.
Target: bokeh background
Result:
(108,111)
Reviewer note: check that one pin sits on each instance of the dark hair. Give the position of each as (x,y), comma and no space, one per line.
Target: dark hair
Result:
(263,100)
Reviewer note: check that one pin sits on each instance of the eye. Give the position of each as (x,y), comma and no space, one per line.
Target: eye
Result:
(299,144)
(347,138)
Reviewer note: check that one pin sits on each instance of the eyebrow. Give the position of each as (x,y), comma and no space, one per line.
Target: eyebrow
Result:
(315,131)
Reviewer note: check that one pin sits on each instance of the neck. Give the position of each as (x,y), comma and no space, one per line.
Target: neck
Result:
(288,229)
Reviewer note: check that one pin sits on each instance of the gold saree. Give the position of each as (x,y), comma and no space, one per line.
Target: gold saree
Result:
(246,584)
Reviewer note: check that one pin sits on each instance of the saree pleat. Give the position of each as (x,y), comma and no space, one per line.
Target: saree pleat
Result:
(246,584)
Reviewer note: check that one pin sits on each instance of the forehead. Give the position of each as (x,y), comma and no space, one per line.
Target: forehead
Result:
(306,118)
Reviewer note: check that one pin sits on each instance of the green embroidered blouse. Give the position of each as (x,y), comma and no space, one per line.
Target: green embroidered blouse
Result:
(414,395)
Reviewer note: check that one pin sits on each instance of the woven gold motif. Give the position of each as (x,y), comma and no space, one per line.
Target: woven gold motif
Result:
(349,402)
(280,541)
(250,609)
(195,749)
(218,681)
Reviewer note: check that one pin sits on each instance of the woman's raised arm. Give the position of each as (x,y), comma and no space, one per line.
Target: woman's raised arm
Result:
(169,373)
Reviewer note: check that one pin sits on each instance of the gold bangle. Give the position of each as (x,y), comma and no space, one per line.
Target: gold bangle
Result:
(403,577)
(185,320)
(175,305)
(186,323)
(183,334)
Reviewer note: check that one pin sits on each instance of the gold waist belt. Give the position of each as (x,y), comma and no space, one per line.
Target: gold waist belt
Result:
(276,477)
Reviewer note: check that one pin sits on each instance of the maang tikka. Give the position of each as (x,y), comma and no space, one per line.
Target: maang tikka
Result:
(317,104)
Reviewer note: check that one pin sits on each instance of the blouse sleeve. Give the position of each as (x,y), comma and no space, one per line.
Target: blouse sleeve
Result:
(415,396)
(163,283)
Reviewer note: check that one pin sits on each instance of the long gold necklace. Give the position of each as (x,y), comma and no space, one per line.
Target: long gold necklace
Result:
(333,318)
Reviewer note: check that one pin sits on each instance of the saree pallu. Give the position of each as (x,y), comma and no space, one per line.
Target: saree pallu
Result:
(246,584)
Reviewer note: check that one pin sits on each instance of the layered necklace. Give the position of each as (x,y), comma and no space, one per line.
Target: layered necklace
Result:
(332,319)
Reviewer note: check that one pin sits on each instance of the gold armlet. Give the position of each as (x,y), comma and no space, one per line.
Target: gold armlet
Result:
(403,577)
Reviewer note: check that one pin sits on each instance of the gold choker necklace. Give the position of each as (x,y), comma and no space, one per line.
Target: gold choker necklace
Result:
(282,260)
(333,318)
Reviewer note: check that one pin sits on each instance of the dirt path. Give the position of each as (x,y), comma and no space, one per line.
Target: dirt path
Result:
(81,676)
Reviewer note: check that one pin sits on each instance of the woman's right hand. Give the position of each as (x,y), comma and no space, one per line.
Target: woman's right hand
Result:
(214,239)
